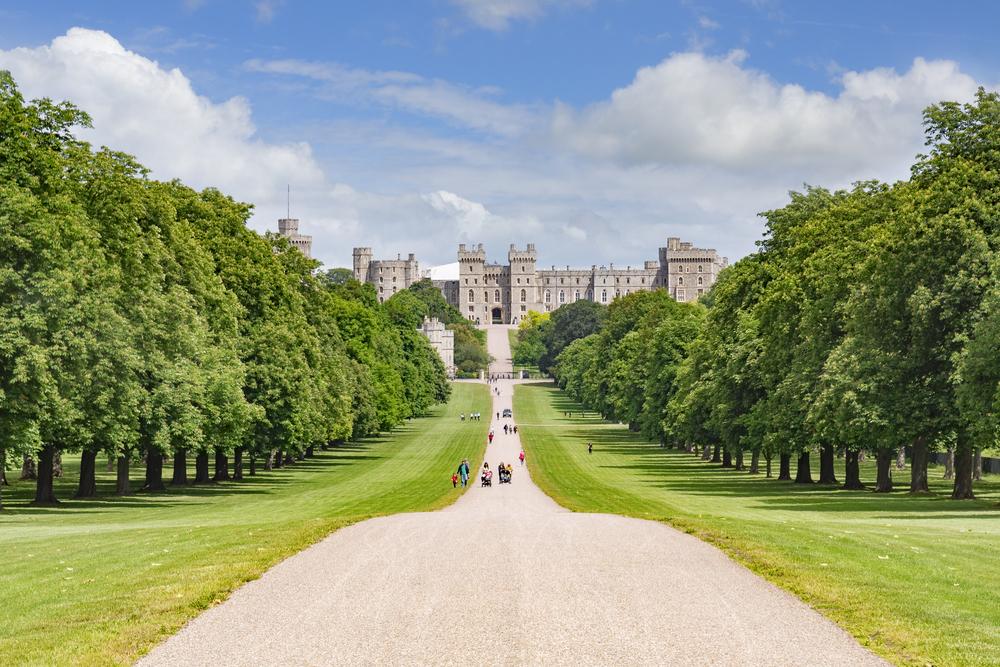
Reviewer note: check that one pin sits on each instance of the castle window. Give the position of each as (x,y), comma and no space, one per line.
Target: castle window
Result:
(577,297)
(548,296)
(643,281)
(562,296)
(486,296)
(699,269)
(524,295)
(522,268)
(379,289)
(560,281)
(628,281)
(701,281)
(471,309)
(466,281)
(380,278)
(518,281)
(475,280)
(680,295)
(472,296)
(700,292)
(680,280)
(394,279)
(496,296)
(577,281)
(604,296)
(524,308)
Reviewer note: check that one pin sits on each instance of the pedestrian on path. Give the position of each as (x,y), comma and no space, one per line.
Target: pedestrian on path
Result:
(463,471)
(491,436)
(521,457)
(454,480)
(590,448)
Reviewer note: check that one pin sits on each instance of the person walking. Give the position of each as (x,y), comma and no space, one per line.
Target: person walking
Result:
(521,457)
(454,480)
(490,436)
(463,471)
(590,448)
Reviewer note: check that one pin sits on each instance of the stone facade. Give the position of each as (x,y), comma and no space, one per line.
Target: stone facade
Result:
(442,340)
(388,276)
(488,292)
(289,228)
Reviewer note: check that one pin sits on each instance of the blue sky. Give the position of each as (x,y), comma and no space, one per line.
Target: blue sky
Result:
(595,128)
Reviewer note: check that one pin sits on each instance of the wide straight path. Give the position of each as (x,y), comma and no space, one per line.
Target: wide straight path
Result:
(506,576)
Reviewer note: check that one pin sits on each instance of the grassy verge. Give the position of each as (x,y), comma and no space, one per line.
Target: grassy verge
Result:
(915,579)
(100,582)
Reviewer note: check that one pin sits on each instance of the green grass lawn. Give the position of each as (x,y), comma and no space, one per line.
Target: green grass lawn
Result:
(102,581)
(915,579)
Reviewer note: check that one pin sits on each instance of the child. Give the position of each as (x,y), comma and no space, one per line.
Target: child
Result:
(454,480)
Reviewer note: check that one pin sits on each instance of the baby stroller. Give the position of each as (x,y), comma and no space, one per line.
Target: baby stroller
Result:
(487,478)
(505,475)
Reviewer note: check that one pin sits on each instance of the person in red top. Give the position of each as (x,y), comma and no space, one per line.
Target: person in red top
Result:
(454,479)
(491,437)
(521,457)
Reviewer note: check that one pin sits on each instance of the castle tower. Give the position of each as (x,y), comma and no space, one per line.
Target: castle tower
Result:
(472,283)
(362,260)
(523,282)
(289,228)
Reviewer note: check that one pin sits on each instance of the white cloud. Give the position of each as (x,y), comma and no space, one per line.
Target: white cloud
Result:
(266,10)
(707,23)
(155,114)
(498,14)
(468,107)
(694,109)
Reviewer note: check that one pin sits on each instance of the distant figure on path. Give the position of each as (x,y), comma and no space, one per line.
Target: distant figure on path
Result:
(454,480)
(463,471)
(461,416)
(521,457)
(490,436)
(590,448)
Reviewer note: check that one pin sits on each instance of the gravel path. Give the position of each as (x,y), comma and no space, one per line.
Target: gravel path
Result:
(506,576)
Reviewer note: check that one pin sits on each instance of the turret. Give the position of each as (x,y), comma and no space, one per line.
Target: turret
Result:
(362,260)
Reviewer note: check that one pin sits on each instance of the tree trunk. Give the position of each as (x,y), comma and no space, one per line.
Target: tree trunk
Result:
(309,452)
(253,464)
(28,469)
(949,465)
(154,471)
(977,465)
(180,477)
(238,464)
(827,473)
(289,458)
(706,453)
(901,458)
(739,459)
(3,468)
(201,468)
(755,462)
(727,459)
(963,474)
(269,463)
(279,459)
(123,488)
(767,467)
(44,491)
(57,464)
(221,466)
(784,467)
(87,487)
(715,453)
(918,466)
(803,475)
(852,470)
(883,467)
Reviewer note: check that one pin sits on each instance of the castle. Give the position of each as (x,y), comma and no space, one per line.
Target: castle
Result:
(497,293)
(289,228)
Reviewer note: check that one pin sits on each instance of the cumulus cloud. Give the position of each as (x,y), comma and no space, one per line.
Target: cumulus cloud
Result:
(698,109)
(154,113)
(498,14)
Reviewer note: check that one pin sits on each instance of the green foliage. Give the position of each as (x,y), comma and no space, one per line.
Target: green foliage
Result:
(144,317)
(566,324)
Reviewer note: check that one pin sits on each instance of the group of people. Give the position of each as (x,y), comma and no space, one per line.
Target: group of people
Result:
(509,429)
(504,470)
(473,416)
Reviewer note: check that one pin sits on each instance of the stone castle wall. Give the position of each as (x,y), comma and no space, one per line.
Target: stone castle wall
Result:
(488,292)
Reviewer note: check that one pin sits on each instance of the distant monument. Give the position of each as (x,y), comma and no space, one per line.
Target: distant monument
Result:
(289,228)
(504,293)
(442,340)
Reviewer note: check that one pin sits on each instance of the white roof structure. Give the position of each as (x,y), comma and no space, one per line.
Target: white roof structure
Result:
(442,272)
